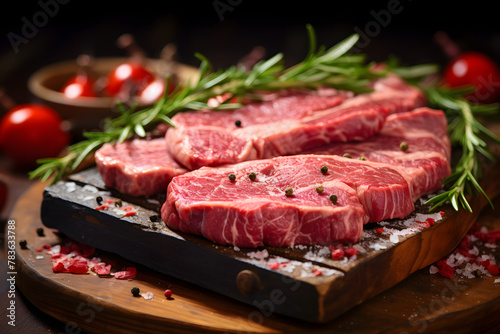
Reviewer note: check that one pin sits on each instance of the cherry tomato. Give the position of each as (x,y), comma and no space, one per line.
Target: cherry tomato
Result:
(477,69)
(77,86)
(31,131)
(128,72)
(153,91)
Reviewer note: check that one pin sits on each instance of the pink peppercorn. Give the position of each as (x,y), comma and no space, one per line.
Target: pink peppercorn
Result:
(168,293)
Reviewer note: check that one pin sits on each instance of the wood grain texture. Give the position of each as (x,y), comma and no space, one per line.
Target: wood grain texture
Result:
(422,303)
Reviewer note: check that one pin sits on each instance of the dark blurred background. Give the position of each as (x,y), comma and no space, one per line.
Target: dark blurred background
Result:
(225,30)
(37,33)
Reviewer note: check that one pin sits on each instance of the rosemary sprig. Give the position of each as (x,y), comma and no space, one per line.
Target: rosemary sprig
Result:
(465,132)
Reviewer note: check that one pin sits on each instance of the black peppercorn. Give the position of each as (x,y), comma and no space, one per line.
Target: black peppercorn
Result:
(135,291)
(23,244)
(333,199)
(238,123)
(154,218)
(40,232)
(252,176)
(403,146)
(99,200)
(324,169)
(232,177)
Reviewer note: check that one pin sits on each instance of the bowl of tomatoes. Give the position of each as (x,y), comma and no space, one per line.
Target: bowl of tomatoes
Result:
(87,90)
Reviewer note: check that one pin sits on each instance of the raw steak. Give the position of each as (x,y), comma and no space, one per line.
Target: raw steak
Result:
(426,162)
(287,125)
(248,213)
(138,167)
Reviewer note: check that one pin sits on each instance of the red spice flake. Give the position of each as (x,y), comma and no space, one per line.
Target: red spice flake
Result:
(78,265)
(127,208)
(47,247)
(102,207)
(58,266)
(168,293)
(379,230)
(351,251)
(109,201)
(274,266)
(39,250)
(65,250)
(130,213)
(445,269)
(129,273)
(441,213)
(485,263)
(316,272)
(337,253)
(102,269)
(493,236)
(493,269)
(426,224)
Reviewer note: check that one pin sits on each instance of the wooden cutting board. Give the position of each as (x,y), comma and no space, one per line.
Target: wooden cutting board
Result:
(301,282)
(421,303)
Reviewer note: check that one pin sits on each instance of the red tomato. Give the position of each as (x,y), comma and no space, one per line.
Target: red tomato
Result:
(77,86)
(477,69)
(31,131)
(127,72)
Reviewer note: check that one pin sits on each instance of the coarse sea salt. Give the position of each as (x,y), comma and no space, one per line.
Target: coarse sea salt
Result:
(378,246)
(497,280)
(70,187)
(90,189)
(259,255)
(147,295)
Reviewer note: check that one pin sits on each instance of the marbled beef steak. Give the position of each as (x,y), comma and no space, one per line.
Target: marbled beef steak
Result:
(252,213)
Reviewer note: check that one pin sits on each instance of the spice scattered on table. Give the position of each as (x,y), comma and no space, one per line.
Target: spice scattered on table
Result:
(135,291)
(473,257)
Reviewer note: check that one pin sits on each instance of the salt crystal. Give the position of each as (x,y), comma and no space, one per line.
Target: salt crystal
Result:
(474,251)
(236,248)
(490,245)
(119,212)
(39,257)
(153,201)
(497,280)
(307,265)
(259,255)
(70,187)
(147,295)
(433,269)
(378,247)
(483,229)
(90,188)
(325,251)
(394,238)
(88,198)
(359,248)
